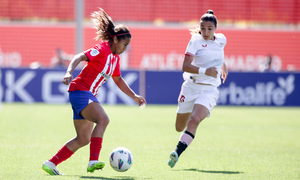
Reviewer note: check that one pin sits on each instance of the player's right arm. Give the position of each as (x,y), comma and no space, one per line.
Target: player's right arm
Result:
(188,67)
(73,64)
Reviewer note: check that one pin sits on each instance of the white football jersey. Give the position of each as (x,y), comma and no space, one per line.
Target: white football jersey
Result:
(206,54)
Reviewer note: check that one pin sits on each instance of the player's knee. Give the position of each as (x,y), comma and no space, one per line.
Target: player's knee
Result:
(195,120)
(105,121)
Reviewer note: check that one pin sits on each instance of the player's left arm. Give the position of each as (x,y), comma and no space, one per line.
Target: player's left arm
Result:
(121,83)
(224,72)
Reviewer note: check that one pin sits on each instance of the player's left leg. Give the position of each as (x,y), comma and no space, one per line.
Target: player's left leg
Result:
(199,113)
(95,147)
(95,165)
(95,113)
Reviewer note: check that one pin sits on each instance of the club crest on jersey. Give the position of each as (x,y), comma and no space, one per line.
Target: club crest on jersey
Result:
(94,52)
(181,99)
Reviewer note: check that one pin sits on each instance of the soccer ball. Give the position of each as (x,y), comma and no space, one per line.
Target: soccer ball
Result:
(121,159)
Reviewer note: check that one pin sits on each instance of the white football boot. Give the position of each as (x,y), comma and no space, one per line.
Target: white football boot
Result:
(173,159)
(50,168)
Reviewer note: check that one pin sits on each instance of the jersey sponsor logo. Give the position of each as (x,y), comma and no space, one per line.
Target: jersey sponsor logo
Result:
(94,52)
(204,45)
(106,76)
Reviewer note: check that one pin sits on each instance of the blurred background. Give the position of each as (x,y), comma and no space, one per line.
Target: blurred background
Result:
(39,38)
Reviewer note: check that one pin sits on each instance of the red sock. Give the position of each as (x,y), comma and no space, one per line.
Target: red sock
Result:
(63,154)
(95,147)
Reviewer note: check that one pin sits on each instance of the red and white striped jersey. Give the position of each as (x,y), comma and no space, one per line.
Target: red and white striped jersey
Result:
(101,65)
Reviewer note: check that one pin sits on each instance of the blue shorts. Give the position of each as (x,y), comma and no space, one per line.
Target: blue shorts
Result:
(79,100)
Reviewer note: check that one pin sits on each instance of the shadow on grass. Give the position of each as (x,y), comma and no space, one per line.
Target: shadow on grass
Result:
(213,172)
(105,178)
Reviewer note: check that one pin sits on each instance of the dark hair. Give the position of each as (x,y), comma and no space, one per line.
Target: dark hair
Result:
(106,29)
(208,16)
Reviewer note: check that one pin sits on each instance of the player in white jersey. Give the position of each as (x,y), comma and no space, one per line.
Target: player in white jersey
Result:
(203,65)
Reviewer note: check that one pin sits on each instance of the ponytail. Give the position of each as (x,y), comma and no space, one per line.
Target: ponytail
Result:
(106,28)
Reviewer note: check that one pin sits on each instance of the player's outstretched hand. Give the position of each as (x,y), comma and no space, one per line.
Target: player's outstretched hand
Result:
(140,100)
(224,71)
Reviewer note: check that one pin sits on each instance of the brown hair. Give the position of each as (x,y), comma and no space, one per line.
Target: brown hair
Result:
(208,16)
(106,28)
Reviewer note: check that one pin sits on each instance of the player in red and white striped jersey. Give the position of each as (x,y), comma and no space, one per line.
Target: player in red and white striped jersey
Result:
(102,63)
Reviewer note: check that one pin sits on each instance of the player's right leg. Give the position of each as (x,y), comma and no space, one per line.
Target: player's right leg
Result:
(83,129)
(50,168)
(181,121)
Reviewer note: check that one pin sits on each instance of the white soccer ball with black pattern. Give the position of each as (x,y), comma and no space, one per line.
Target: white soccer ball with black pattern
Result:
(121,159)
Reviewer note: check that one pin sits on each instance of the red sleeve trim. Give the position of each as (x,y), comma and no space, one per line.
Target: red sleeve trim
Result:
(189,54)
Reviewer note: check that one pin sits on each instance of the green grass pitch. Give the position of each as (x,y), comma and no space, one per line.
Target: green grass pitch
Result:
(234,143)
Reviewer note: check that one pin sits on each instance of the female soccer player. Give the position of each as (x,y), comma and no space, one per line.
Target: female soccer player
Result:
(102,63)
(203,65)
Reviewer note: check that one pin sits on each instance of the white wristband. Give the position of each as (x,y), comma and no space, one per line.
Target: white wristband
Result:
(201,70)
